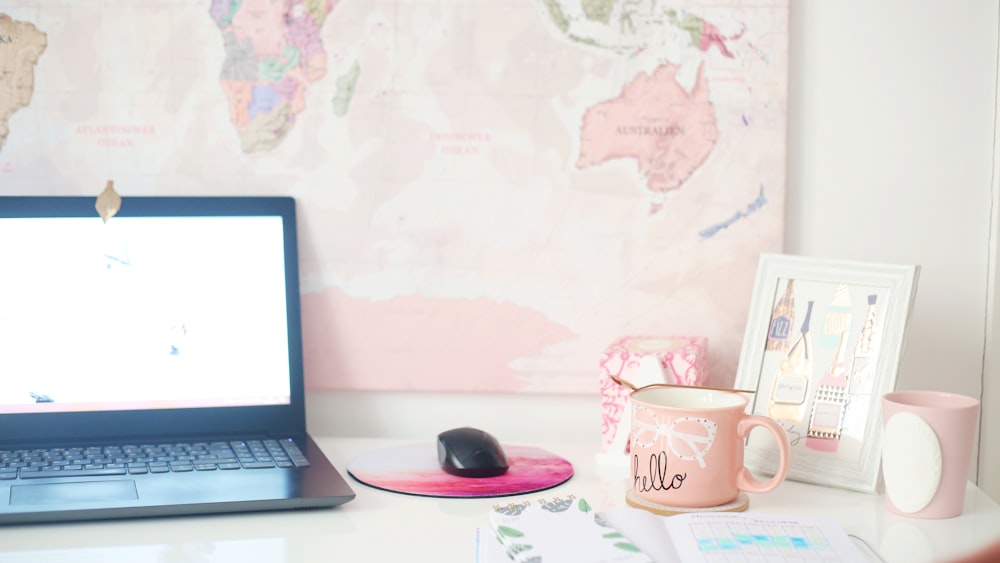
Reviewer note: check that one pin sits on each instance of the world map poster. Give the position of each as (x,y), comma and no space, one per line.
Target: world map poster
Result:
(489,193)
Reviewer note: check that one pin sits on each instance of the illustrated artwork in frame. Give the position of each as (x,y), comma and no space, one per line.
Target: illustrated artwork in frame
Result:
(822,344)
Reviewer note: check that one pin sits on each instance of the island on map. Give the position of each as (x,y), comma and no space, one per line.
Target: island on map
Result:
(345,90)
(654,121)
(703,34)
(21,45)
(632,27)
(273,52)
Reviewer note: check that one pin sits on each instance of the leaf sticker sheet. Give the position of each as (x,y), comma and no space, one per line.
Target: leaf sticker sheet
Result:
(560,529)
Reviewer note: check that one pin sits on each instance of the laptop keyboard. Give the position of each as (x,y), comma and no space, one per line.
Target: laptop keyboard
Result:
(139,459)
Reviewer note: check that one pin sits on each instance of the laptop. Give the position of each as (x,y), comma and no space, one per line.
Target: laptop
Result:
(151,365)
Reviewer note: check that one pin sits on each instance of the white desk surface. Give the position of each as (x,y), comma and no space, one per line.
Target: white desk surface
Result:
(384,526)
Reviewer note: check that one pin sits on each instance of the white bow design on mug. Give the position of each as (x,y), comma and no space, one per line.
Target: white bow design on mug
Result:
(699,445)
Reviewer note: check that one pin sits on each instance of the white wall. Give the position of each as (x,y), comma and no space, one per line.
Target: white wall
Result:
(989,453)
(891,153)
(891,159)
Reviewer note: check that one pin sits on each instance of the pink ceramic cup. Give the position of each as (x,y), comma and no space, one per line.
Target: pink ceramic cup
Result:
(687,447)
(927,444)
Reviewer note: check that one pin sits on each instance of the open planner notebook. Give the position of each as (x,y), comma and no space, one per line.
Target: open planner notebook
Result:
(567,529)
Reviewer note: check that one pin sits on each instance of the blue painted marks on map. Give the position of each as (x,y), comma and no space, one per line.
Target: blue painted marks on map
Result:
(746,120)
(263,99)
(757,203)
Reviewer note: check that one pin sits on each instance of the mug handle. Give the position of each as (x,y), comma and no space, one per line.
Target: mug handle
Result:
(745,481)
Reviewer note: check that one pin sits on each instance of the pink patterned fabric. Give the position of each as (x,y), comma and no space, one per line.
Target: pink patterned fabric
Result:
(684,360)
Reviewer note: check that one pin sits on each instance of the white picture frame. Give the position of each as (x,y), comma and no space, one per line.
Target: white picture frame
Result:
(831,409)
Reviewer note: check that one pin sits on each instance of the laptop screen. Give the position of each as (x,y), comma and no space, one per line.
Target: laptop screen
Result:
(175,305)
(142,313)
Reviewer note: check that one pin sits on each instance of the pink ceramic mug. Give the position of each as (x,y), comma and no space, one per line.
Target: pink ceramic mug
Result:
(927,442)
(687,447)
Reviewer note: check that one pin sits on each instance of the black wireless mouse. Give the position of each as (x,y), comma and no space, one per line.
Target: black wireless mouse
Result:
(470,452)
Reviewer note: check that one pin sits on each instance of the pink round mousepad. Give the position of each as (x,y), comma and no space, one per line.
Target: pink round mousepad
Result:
(414,469)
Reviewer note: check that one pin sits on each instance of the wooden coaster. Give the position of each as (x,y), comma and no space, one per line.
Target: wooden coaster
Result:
(741,503)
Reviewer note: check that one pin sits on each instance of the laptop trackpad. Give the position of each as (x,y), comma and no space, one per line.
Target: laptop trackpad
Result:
(80,492)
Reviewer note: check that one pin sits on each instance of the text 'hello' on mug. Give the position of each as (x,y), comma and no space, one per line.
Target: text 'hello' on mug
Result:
(687,446)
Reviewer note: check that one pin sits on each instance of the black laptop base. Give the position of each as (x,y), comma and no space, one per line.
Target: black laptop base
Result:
(312,484)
